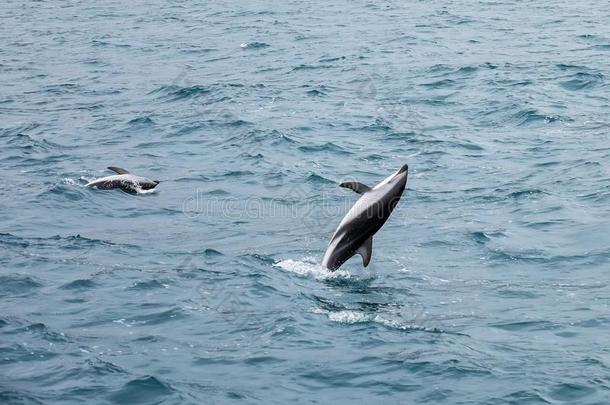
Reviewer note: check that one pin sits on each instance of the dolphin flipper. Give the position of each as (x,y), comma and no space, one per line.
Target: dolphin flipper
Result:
(366,251)
(356,186)
(118,170)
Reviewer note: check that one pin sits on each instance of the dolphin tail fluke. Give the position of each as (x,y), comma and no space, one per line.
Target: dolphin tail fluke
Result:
(356,186)
(118,170)
(366,251)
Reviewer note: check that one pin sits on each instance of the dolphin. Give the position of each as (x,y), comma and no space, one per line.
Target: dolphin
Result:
(124,180)
(355,232)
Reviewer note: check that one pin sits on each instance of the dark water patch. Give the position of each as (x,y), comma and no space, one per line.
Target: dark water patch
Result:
(258,137)
(468,69)
(525,326)
(485,237)
(519,397)
(408,135)
(569,392)
(593,323)
(144,390)
(262,360)
(311,67)
(58,243)
(66,191)
(254,45)
(582,81)
(20,397)
(42,331)
(158,318)
(237,173)
(62,89)
(315,93)
(527,194)
(11,240)
(141,121)
(440,84)
(317,179)
(253,156)
(516,292)
(436,244)
(374,156)
(211,253)
(175,93)
(532,116)
(327,147)
(102,43)
(197,50)
(530,255)
(548,163)
(324,303)
(597,196)
(448,368)
(24,353)
(545,224)
(81,284)
(18,285)
(274,180)
(210,361)
(360,284)
(567,334)
(329,59)
(256,258)
(217,192)
(379,124)
(440,68)
(29,144)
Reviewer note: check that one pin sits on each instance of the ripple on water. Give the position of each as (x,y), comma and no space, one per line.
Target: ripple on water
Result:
(327,147)
(583,81)
(569,392)
(500,111)
(143,390)
(18,285)
(254,45)
(175,93)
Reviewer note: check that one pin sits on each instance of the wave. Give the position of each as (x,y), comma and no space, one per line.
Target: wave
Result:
(389,319)
(254,45)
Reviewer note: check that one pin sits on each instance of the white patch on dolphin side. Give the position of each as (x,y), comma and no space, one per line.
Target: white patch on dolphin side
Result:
(140,190)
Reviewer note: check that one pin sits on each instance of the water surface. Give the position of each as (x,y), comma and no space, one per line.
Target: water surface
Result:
(489,284)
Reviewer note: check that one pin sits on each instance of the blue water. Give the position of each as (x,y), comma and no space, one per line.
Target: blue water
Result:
(488,285)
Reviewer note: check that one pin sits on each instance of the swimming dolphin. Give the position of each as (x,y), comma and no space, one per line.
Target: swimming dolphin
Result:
(364,219)
(124,180)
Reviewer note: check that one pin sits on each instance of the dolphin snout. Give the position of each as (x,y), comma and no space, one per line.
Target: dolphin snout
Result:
(403,169)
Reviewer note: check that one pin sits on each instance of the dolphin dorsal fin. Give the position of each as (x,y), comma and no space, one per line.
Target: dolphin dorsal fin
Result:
(366,251)
(356,186)
(118,170)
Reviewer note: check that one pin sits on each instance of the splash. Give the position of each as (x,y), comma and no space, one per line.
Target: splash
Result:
(390,319)
(309,267)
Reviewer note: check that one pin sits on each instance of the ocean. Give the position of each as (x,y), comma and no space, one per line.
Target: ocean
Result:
(488,284)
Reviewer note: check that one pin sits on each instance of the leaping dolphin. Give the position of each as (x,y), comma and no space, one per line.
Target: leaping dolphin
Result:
(124,180)
(355,232)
